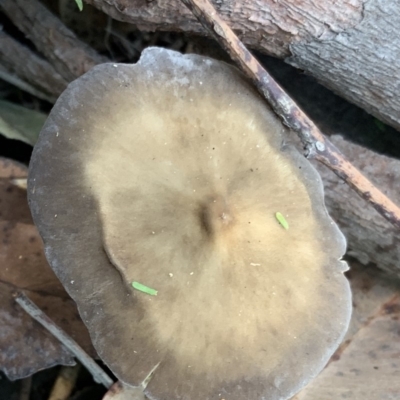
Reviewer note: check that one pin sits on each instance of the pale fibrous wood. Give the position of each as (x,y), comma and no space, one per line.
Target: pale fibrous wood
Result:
(65,383)
(351,46)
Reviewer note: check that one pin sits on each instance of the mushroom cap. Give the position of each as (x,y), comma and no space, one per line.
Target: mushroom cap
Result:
(170,173)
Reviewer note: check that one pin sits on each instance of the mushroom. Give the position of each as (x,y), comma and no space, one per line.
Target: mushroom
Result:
(172,173)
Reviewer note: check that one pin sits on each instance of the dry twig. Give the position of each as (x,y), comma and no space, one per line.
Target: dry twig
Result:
(65,383)
(26,385)
(98,374)
(315,143)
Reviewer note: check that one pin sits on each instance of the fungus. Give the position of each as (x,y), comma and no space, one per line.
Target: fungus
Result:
(171,173)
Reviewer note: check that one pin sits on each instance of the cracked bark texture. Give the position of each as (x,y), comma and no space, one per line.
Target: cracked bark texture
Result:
(351,46)
(371,239)
(361,63)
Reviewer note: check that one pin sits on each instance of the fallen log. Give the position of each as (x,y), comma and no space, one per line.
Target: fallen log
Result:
(307,132)
(371,238)
(22,62)
(68,55)
(350,46)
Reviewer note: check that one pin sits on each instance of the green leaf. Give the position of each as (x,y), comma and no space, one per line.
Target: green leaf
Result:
(20,123)
(144,289)
(79,3)
(281,219)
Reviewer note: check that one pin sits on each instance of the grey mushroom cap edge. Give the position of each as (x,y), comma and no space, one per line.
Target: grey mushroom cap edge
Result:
(68,217)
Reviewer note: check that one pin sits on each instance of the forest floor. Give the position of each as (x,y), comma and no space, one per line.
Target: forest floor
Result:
(333,114)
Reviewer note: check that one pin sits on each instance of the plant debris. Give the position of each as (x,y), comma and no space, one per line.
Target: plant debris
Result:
(282,220)
(144,288)
(26,347)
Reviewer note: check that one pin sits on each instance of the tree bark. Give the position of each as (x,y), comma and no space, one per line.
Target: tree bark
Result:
(371,239)
(350,46)
(69,56)
(18,60)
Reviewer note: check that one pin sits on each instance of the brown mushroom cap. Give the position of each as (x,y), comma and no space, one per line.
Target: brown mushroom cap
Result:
(169,173)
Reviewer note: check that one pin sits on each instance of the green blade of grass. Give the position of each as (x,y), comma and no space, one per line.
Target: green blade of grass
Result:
(144,289)
(281,219)
(79,3)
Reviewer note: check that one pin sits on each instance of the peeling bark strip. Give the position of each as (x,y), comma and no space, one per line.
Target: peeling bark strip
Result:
(351,46)
(67,54)
(316,145)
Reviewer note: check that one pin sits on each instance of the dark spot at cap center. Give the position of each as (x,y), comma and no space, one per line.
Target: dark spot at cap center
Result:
(215,215)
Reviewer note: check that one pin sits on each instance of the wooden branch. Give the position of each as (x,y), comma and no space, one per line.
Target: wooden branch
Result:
(316,145)
(26,387)
(266,25)
(18,60)
(65,383)
(65,52)
(35,312)
(350,46)
(371,239)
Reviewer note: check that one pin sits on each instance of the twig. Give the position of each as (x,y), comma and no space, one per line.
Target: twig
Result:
(21,183)
(315,143)
(121,391)
(26,385)
(98,374)
(150,375)
(64,383)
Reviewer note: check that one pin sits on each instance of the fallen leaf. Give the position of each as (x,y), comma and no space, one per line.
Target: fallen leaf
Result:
(25,346)
(367,364)
(13,201)
(20,123)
